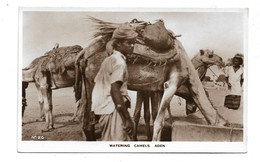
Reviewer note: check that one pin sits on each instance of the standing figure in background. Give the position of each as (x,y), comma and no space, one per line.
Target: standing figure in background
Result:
(234,79)
(110,99)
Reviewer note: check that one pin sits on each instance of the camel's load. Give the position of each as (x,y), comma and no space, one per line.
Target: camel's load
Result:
(157,36)
(57,60)
(61,58)
(154,44)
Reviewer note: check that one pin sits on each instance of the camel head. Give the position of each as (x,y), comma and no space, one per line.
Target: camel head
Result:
(209,58)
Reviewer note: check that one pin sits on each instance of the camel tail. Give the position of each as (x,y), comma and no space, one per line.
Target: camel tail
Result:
(28,75)
(79,71)
(81,62)
(78,83)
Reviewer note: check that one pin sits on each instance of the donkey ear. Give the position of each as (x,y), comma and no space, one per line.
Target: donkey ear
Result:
(201,52)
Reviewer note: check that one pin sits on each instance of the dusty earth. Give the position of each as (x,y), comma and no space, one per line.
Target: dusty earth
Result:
(64,107)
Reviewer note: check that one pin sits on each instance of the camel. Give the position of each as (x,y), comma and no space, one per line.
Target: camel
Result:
(148,71)
(57,65)
(201,62)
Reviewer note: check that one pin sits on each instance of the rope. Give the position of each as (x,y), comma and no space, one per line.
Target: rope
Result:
(204,73)
(215,74)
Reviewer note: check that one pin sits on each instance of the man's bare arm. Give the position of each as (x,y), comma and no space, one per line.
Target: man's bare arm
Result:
(120,106)
(118,100)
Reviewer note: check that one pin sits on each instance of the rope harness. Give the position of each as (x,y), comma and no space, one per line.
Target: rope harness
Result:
(215,74)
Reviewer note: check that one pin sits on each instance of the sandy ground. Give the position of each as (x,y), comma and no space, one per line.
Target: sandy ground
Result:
(64,107)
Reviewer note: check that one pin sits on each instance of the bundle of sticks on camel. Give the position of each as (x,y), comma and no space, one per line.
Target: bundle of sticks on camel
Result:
(150,69)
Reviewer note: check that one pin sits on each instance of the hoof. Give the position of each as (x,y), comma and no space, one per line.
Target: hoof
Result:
(227,124)
(54,87)
(149,138)
(73,120)
(222,122)
(40,120)
(156,139)
(47,129)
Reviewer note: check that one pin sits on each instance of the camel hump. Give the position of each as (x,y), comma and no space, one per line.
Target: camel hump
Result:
(157,36)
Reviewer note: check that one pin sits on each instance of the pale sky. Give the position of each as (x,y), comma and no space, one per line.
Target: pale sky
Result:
(222,31)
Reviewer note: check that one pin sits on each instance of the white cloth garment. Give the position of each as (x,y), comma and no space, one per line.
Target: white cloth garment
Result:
(234,79)
(113,69)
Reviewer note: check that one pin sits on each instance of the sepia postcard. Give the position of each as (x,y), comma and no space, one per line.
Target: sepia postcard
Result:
(132,80)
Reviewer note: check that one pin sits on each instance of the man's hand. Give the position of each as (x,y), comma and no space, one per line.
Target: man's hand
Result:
(128,104)
(229,85)
(121,107)
(241,82)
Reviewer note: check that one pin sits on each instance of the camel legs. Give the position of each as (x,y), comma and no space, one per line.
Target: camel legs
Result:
(47,108)
(191,107)
(78,112)
(202,101)
(156,98)
(199,96)
(49,95)
(89,117)
(46,93)
(170,87)
(147,116)
(52,71)
(142,97)
(54,86)
(41,103)
(137,113)
(155,103)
